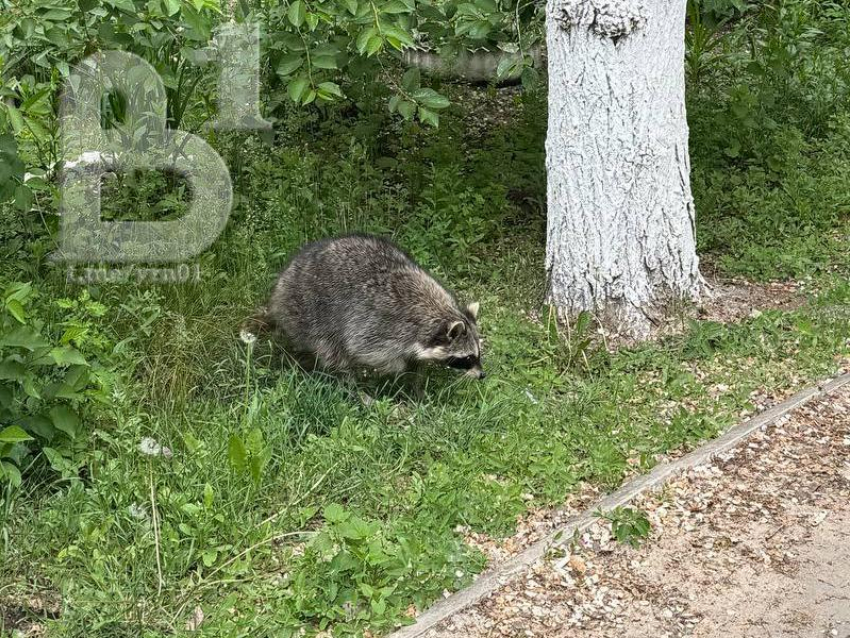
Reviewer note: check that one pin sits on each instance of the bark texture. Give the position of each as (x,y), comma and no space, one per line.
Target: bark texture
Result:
(621,216)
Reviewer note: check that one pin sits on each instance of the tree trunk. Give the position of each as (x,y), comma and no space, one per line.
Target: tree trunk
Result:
(621,216)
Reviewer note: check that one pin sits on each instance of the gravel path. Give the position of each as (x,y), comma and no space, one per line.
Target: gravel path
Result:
(755,544)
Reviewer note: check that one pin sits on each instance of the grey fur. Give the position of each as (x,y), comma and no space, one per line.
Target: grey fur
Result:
(360,302)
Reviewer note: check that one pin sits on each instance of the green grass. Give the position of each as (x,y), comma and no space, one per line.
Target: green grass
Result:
(286,503)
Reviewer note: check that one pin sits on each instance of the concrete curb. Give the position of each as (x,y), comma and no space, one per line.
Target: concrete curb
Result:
(490,581)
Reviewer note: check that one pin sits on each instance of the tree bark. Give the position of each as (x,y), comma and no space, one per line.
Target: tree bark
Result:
(621,216)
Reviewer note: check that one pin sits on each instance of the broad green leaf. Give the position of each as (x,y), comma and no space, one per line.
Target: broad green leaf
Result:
(407,109)
(8,145)
(507,66)
(431,99)
(23,198)
(403,38)
(429,117)
(324,61)
(289,63)
(24,337)
(395,6)
(411,79)
(11,370)
(374,45)
(16,309)
(363,39)
(173,6)
(65,420)
(330,88)
(14,434)
(296,13)
(357,529)
(11,473)
(236,453)
(68,356)
(335,513)
(296,89)
(15,119)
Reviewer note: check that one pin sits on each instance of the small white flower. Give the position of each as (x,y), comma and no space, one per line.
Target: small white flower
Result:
(138,512)
(150,447)
(247,337)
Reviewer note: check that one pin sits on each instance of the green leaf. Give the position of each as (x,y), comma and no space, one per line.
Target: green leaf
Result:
(411,79)
(357,529)
(65,420)
(335,513)
(68,356)
(209,496)
(507,66)
(58,461)
(15,119)
(24,337)
(256,467)
(296,89)
(324,61)
(10,472)
(14,434)
(529,78)
(351,5)
(374,45)
(173,6)
(11,370)
(8,145)
(407,109)
(363,39)
(431,99)
(236,453)
(296,13)
(329,89)
(429,117)
(289,63)
(395,6)
(16,309)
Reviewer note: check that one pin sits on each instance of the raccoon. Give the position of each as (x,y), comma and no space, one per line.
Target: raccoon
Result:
(360,302)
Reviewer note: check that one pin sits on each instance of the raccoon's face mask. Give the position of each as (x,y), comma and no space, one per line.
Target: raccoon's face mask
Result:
(463,346)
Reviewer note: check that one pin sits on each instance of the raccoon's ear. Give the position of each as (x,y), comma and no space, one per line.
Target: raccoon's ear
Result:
(456,329)
(473,309)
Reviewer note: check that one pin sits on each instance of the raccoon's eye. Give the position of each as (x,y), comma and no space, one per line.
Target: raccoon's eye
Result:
(461,363)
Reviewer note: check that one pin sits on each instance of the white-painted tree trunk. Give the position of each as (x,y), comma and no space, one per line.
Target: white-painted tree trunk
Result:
(621,216)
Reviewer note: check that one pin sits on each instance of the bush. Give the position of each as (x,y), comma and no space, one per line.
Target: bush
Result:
(46,383)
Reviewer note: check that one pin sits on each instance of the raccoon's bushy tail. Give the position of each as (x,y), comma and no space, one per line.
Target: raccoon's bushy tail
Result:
(258,324)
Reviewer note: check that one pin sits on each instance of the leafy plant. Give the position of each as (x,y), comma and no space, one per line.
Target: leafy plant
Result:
(44,384)
(629,526)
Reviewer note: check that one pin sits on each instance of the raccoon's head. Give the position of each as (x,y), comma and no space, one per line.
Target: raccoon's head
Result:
(455,343)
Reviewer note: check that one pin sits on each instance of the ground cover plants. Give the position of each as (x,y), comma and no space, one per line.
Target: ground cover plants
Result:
(163,477)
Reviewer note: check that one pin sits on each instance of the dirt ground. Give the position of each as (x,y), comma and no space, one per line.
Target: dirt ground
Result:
(755,544)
